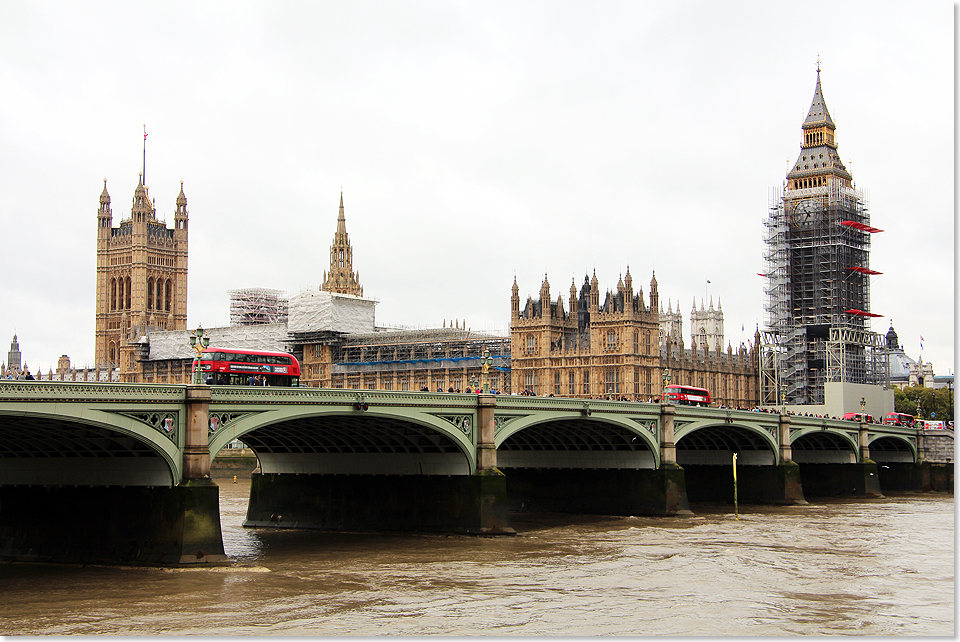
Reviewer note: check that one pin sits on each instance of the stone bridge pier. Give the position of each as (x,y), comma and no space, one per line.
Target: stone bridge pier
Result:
(107,513)
(415,491)
(859,478)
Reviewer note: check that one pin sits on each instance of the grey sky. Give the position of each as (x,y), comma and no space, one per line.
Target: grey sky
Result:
(474,142)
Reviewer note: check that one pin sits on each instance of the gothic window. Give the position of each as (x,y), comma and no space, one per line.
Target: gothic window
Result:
(556,384)
(586,382)
(150,293)
(611,340)
(636,341)
(168,286)
(570,384)
(612,380)
(113,294)
(531,342)
(126,289)
(531,382)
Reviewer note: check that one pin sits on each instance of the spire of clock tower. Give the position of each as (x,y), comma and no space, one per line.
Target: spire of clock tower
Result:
(818,164)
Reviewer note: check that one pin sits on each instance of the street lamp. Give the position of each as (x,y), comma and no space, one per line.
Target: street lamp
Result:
(485,364)
(198,342)
(666,383)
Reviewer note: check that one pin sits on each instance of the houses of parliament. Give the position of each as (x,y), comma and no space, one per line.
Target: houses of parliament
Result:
(613,343)
(617,348)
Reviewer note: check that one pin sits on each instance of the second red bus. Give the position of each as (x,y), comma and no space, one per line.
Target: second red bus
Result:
(686,395)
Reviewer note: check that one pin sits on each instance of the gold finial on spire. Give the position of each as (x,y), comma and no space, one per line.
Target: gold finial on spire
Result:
(818,63)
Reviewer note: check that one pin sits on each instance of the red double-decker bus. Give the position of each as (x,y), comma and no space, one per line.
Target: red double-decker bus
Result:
(899,419)
(226,367)
(686,395)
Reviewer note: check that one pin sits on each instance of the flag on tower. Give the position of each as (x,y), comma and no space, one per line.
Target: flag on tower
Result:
(921,342)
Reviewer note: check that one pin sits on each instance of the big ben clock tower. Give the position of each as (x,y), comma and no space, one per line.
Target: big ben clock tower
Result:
(817,271)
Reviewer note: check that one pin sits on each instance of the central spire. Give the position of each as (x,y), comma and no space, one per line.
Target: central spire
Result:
(341,278)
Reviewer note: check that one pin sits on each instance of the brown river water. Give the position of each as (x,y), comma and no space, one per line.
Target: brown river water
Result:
(849,567)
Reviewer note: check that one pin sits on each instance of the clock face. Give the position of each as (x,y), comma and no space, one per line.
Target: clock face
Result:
(806,213)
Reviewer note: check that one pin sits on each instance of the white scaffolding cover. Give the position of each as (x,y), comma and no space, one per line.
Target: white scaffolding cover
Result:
(316,310)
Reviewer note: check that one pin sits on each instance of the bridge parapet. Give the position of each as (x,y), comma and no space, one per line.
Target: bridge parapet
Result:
(258,395)
(85,392)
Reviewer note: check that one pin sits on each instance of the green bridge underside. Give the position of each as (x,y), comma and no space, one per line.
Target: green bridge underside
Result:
(62,433)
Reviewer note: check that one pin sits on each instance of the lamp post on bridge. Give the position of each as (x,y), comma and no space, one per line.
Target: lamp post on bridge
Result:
(198,341)
(666,383)
(485,365)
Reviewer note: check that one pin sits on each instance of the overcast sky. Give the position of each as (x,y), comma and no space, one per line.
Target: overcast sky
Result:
(474,142)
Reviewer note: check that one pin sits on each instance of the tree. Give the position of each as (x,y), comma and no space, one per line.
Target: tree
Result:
(939,401)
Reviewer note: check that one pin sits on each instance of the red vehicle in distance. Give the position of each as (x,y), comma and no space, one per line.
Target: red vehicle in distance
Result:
(226,367)
(899,419)
(686,395)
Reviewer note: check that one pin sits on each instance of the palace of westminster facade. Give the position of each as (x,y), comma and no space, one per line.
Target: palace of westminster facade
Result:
(620,349)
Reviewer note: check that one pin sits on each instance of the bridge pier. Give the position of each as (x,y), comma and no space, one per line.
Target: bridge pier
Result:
(785,485)
(475,503)
(920,476)
(112,524)
(429,503)
(592,491)
(606,491)
(859,479)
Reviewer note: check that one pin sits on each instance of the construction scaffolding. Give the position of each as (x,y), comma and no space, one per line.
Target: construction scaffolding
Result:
(816,266)
(428,348)
(257,306)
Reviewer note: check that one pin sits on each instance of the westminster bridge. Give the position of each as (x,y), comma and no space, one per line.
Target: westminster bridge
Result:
(121,472)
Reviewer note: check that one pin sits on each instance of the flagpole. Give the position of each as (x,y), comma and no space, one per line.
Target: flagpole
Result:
(144,154)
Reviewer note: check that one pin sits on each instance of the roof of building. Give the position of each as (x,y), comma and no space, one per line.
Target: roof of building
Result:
(424,335)
(175,344)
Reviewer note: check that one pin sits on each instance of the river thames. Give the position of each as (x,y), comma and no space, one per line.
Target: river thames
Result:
(834,567)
